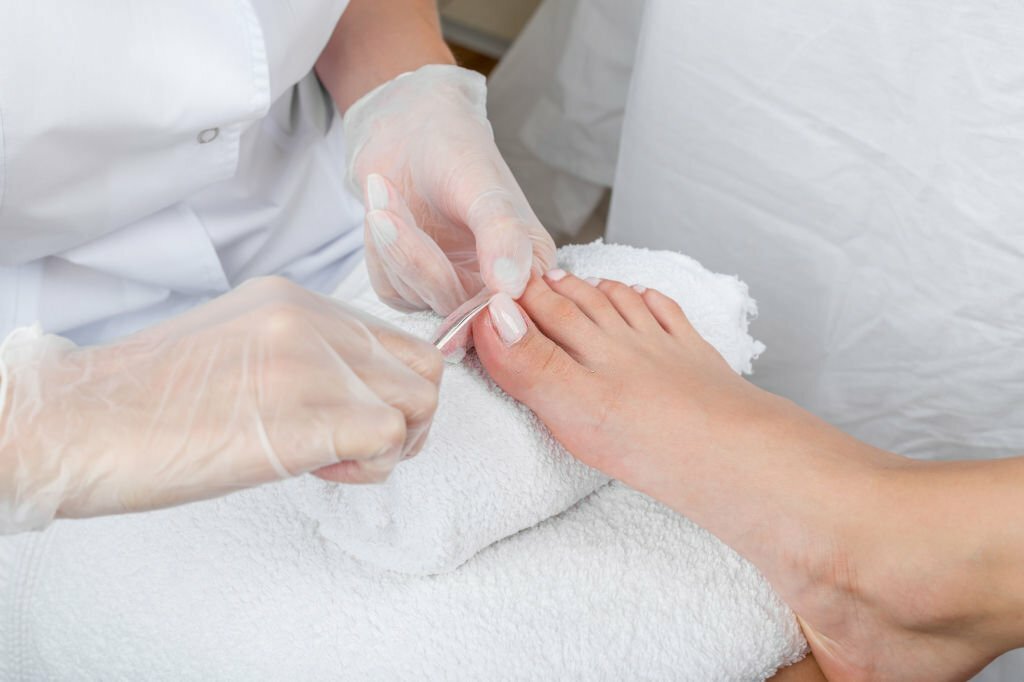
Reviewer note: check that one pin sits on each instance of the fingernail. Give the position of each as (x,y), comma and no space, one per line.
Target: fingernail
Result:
(377,192)
(508,274)
(639,288)
(592,281)
(384,231)
(556,275)
(507,319)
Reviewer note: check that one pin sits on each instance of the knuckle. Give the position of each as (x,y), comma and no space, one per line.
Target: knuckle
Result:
(272,288)
(283,321)
(413,352)
(426,360)
(433,367)
(391,427)
(423,398)
(373,475)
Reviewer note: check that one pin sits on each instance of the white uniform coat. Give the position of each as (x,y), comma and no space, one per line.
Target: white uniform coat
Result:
(153,155)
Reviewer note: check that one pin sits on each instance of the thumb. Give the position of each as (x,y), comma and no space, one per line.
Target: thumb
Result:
(504,248)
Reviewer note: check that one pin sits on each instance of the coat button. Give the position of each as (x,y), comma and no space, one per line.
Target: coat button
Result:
(208,135)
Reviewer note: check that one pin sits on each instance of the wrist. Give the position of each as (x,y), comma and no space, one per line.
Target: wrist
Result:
(32,479)
(376,41)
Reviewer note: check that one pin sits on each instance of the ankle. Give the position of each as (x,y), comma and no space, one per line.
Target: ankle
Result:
(960,549)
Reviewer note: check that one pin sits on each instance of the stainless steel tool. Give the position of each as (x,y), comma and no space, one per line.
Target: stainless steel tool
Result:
(449,331)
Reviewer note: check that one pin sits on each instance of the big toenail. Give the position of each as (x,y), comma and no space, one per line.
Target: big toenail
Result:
(507,319)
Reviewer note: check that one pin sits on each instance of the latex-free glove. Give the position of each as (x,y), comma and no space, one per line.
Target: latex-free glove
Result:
(265,382)
(445,216)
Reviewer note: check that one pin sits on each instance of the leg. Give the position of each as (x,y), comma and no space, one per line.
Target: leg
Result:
(806,670)
(898,570)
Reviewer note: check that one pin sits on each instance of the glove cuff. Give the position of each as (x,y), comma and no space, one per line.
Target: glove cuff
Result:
(11,349)
(24,505)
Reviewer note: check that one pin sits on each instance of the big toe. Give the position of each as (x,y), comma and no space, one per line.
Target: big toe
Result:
(528,365)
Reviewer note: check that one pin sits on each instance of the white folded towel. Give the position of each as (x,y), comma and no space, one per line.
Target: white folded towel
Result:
(244,588)
(490,468)
(248,587)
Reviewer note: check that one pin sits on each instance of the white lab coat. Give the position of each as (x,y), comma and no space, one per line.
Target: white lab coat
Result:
(153,155)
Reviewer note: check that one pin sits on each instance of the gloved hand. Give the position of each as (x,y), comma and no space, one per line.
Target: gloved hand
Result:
(265,382)
(445,217)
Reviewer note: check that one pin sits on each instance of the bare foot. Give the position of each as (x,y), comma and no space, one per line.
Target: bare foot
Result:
(627,385)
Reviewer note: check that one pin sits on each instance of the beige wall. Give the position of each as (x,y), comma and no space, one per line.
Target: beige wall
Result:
(502,19)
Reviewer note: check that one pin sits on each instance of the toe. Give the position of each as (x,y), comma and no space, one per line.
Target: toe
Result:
(533,369)
(629,305)
(557,316)
(668,313)
(587,297)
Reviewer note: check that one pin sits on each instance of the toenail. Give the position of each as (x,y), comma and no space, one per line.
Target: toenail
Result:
(639,288)
(556,275)
(507,319)
(592,281)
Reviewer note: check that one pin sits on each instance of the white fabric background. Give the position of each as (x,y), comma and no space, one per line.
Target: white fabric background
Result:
(859,163)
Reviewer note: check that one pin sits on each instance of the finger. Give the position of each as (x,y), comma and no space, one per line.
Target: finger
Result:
(353,335)
(415,353)
(416,266)
(358,472)
(398,386)
(408,252)
(487,199)
(381,280)
(544,257)
(503,245)
(418,444)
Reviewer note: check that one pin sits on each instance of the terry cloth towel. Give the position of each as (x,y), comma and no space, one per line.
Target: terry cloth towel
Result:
(244,588)
(248,587)
(490,468)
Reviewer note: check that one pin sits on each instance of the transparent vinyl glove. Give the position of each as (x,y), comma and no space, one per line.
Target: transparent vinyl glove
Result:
(265,382)
(445,217)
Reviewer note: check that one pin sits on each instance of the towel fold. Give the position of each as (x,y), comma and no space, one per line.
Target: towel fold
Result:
(490,468)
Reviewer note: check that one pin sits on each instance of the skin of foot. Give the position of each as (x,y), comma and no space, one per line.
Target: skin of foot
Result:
(897,570)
